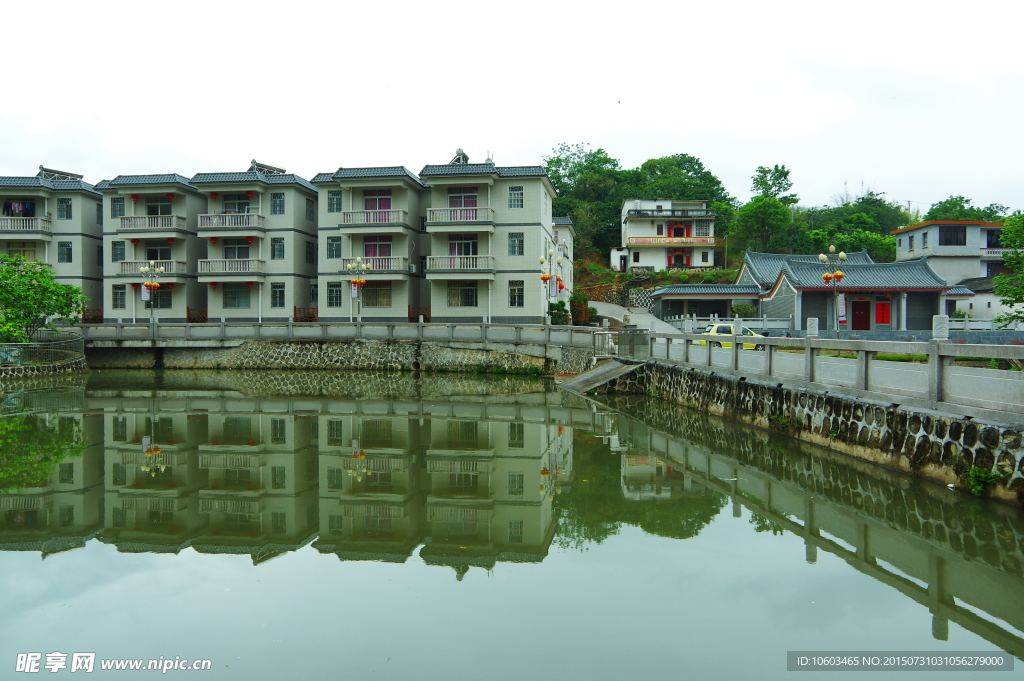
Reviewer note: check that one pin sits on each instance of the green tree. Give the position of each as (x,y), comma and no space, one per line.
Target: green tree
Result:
(587,182)
(773,182)
(32,299)
(961,208)
(765,224)
(679,176)
(1010,287)
(30,449)
(856,232)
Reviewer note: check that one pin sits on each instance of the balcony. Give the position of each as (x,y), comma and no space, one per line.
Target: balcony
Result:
(485,467)
(458,514)
(130,268)
(229,506)
(374,217)
(21,225)
(670,213)
(230,461)
(166,458)
(372,511)
(994,252)
(239,266)
(471,217)
(670,241)
(388,264)
(460,263)
(151,223)
(231,221)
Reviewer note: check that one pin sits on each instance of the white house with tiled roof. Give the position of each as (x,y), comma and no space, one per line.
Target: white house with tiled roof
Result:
(659,234)
(956,249)
(56,218)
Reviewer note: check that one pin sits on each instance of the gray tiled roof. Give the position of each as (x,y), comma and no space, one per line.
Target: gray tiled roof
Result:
(142,180)
(55,185)
(369,173)
(522,171)
(976,284)
(483,169)
(906,275)
(959,290)
(765,267)
(708,289)
(251,176)
(561,220)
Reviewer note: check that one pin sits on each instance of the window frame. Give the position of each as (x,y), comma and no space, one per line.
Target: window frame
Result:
(335,294)
(381,296)
(334,198)
(516,197)
(334,247)
(119,294)
(516,243)
(310,210)
(277,294)
(65,252)
(310,253)
(277,204)
(517,293)
(277,248)
(116,207)
(236,289)
(118,247)
(465,291)
(65,209)
(950,235)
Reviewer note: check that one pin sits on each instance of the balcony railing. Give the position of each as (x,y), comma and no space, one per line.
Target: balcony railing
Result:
(239,266)
(231,221)
(670,213)
(20,503)
(165,458)
(152,222)
(670,241)
(229,461)
(359,217)
(372,511)
(457,514)
(995,250)
(389,464)
(480,214)
(131,267)
(460,262)
(389,264)
(228,506)
(25,225)
(460,466)
(150,504)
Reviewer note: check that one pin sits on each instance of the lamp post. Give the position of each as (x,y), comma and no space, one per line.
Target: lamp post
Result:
(832,277)
(354,269)
(152,273)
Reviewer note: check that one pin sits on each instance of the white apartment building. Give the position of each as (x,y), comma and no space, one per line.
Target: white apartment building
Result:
(56,218)
(659,234)
(461,242)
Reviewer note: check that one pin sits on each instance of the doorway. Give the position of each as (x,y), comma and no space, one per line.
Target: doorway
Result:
(861,315)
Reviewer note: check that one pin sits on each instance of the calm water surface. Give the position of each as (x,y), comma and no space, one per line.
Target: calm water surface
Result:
(306,525)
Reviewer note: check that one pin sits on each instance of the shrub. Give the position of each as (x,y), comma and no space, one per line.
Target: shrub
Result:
(959,313)
(744,310)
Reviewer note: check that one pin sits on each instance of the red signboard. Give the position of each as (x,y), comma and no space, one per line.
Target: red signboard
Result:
(882,313)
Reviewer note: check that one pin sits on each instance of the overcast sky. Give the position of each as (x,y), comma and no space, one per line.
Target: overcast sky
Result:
(919,100)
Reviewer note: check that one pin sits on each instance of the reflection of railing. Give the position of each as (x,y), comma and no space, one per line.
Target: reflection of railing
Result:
(20,503)
(457,514)
(228,506)
(372,511)
(389,464)
(165,458)
(460,466)
(47,349)
(229,461)
(151,504)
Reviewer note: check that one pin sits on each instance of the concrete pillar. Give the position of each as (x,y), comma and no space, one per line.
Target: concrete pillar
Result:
(903,311)
(798,306)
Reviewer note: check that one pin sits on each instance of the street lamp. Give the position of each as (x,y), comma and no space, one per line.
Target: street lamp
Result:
(833,276)
(357,283)
(152,273)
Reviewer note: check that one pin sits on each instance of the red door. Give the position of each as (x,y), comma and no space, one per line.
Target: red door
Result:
(861,315)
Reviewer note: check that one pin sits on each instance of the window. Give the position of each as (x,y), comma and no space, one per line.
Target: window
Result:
(462,197)
(924,240)
(120,518)
(236,203)
(516,243)
(99,213)
(277,248)
(910,242)
(377,247)
(314,294)
(277,294)
(377,434)
(158,250)
(158,205)
(117,251)
(117,207)
(463,481)
(99,256)
(119,426)
(309,210)
(334,201)
(335,478)
(899,242)
(515,532)
(377,294)
(160,299)
(515,484)
(277,203)
(67,516)
(659,230)
(63,251)
(377,199)
(314,430)
(278,522)
(636,256)
(333,247)
(949,235)
(311,252)
(277,431)
(119,297)
(66,473)
(162,428)
(335,294)
(515,293)
(237,431)
(994,238)
(462,244)
(515,197)
(703,256)
(234,249)
(236,296)
(63,209)
(378,527)
(24,249)
(120,474)
(516,433)
(462,434)
(462,294)
(335,434)
(702,229)
(277,475)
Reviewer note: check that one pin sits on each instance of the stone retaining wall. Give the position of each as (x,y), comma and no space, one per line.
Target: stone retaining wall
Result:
(69,366)
(359,354)
(940,447)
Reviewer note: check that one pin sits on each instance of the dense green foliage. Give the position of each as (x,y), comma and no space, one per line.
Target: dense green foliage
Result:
(31,299)
(744,310)
(1010,287)
(960,208)
(30,449)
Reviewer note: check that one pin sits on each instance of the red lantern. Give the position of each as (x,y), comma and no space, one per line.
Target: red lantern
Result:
(214,195)
(249,284)
(169,284)
(214,240)
(135,198)
(561,429)
(213,285)
(249,239)
(170,241)
(827,277)
(561,286)
(839,276)
(170,196)
(250,194)
(545,471)
(135,242)
(545,277)
(135,285)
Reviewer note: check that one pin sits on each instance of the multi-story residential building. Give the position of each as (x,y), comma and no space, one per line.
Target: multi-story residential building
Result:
(262,244)
(463,242)
(153,218)
(372,217)
(660,234)
(56,218)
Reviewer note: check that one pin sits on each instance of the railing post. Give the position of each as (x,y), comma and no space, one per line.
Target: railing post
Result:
(812,334)
(451,331)
(862,369)
(668,347)
(769,357)
(940,333)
